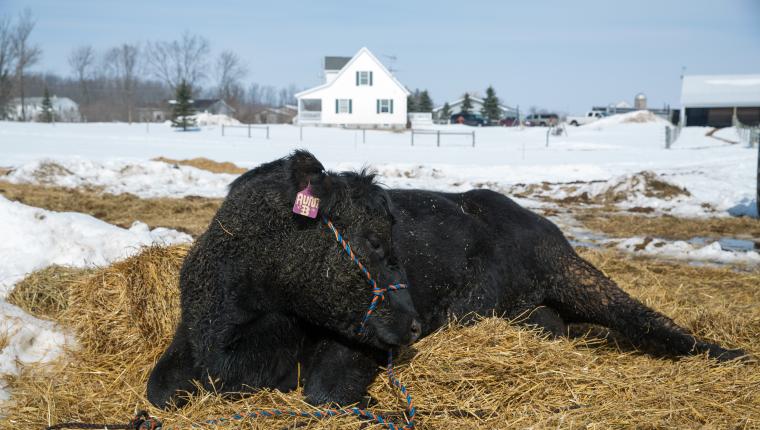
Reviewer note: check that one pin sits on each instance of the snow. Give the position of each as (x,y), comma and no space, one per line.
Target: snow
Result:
(205,119)
(114,156)
(600,158)
(682,250)
(635,117)
(34,238)
(145,179)
(720,90)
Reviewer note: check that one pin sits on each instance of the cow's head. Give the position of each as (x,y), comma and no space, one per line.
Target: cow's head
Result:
(331,291)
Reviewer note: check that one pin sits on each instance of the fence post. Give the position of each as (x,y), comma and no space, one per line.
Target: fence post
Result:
(222,130)
(668,134)
(412,137)
(249,131)
(438,138)
(267,132)
(547,136)
(364,135)
(473,138)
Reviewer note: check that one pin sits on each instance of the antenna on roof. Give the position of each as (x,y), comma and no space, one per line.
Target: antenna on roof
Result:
(392,58)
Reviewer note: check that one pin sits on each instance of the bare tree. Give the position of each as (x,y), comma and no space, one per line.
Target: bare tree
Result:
(121,65)
(180,60)
(26,54)
(81,61)
(7,65)
(229,72)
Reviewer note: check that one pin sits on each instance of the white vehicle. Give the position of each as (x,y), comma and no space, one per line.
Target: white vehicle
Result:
(586,119)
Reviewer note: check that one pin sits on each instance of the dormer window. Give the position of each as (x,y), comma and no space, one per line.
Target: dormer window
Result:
(363,78)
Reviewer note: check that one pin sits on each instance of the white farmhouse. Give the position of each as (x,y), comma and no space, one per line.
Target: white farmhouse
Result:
(358,92)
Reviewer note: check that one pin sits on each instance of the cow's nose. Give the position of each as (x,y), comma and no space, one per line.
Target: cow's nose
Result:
(415,330)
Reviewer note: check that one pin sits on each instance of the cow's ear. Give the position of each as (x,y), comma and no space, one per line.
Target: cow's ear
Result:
(304,169)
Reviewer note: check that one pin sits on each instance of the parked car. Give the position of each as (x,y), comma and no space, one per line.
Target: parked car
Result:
(590,117)
(541,119)
(466,118)
(509,122)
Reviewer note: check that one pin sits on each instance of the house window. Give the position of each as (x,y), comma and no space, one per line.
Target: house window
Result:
(363,78)
(343,106)
(384,105)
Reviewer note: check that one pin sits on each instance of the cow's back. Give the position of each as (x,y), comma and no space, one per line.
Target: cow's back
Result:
(472,252)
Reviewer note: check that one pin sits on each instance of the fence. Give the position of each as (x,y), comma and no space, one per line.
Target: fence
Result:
(439,133)
(749,135)
(671,135)
(249,127)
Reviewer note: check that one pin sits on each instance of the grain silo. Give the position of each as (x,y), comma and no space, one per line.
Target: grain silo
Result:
(640,101)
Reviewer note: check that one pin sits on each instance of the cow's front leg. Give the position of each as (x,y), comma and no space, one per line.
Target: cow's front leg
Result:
(337,373)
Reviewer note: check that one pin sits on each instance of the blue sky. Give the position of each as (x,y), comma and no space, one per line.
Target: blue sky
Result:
(563,55)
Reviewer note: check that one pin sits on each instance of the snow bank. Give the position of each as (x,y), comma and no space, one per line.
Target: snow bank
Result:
(30,340)
(34,238)
(681,250)
(205,118)
(143,178)
(635,117)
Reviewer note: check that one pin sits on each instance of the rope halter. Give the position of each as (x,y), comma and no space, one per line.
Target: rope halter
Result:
(378,293)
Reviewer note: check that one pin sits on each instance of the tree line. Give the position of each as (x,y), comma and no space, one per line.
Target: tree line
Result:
(110,84)
(420,101)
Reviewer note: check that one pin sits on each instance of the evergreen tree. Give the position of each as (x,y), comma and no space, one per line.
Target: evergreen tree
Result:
(182,110)
(445,112)
(411,103)
(47,114)
(466,103)
(425,103)
(490,108)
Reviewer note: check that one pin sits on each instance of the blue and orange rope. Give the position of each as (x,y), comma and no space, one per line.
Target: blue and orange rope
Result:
(378,293)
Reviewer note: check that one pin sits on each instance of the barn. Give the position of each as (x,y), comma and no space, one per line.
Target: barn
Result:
(720,100)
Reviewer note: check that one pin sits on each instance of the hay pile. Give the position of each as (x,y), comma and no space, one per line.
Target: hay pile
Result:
(190,214)
(490,375)
(45,293)
(206,164)
(668,227)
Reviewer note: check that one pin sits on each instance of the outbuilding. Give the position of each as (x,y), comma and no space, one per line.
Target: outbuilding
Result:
(720,100)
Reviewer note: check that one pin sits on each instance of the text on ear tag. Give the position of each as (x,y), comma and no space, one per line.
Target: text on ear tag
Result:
(306,204)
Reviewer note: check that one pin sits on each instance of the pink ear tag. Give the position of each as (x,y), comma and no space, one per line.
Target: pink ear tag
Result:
(306,204)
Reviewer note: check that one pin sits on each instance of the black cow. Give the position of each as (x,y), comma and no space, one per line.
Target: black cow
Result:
(265,290)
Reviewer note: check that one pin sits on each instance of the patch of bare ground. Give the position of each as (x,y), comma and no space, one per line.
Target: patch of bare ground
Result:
(490,375)
(190,214)
(646,184)
(206,164)
(668,227)
(5,170)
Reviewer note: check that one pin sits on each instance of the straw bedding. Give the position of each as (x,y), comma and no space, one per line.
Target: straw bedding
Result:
(484,376)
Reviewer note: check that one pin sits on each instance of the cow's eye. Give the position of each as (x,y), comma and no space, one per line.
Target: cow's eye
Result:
(375,244)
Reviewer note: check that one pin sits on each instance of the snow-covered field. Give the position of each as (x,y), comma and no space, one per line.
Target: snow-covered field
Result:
(602,158)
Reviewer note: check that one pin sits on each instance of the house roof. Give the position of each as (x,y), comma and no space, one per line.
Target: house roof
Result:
(343,69)
(58,102)
(504,108)
(720,90)
(204,103)
(336,63)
